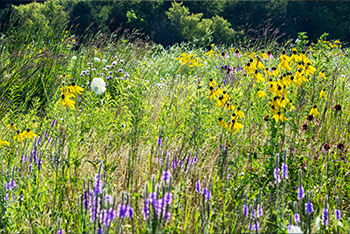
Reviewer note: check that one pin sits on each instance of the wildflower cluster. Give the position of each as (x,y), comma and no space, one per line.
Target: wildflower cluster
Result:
(68,92)
(190,60)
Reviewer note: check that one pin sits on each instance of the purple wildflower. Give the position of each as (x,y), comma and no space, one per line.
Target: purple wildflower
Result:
(100,230)
(145,209)
(259,211)
(166,176)
(167,216)
(120,70)
(325,217)
(309,207)
(60,231)
(245,210)
(122,211)
(296,218)
(337,214)
(173,164)
(277,175)
(159,142)
(300,192)
(284,171)
(198,186)
(53,123)
(208,196)
(168,198)
(98,185)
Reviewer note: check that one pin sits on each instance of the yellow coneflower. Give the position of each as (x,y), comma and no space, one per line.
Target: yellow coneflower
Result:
(212,93)
(267,72)
(284,65)
(28,134)
(272,86)
(294,56)
(260,94)
(220,102)
(284,57)
(309,69)
(300,66)
(18,136)
(303,58)
(264,55)
(321,74)
(75,89)
(226,96)
(11,125)
(234,126)
(279,116)
(314,111)
(249,68)
(323,94)
(66,91)
(259,64)
(4,143)
(212,82)
(274,71)
(222,123)
(65,101)
(275,102)
(229,106)
(257,76)
(239,113)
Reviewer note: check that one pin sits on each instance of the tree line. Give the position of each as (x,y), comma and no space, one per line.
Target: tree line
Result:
(167,22)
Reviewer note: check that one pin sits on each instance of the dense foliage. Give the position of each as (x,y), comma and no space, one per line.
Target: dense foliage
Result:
(168,22)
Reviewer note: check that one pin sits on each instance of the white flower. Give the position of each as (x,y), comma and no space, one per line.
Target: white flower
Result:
(104,60)
(74,57)
(97,59)
(295,229)
(318,223)
(98,85)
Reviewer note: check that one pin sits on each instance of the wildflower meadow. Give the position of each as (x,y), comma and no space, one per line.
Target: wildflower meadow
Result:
(121,135)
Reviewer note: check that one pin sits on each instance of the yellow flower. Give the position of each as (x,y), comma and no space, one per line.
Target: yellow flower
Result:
(303,58)
(321,74)
(284,57)
(212,93)
(284,65)
(257,76)
(75,89)
(279,116)
(212,82)
(28,134)
(222,123)
(212,45)
(309,69)
(274,71)
(234,126)
(267,72)
(239,113)
(264,55)
(226,96)
(323,94)
(18,136)
(66,91)
(314,111)
(249,68)
(65,101)
(4,143)
(229,106)
(260,94)
(221,102)
(11,125)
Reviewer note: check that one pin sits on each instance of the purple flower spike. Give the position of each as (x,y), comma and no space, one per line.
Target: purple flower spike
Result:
(259,211)
(208,196)
(159,142)
(198,186)
(300,192)
(60,231)
(168,198)
(325,217)
(284,171)
(277,175)
(145,209)
(98,185)
(53,123)
(337,214)
(245,210)
(166,176)
(309,207)
(296,218)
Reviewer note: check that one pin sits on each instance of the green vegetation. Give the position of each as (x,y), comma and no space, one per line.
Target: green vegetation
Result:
(117,134)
